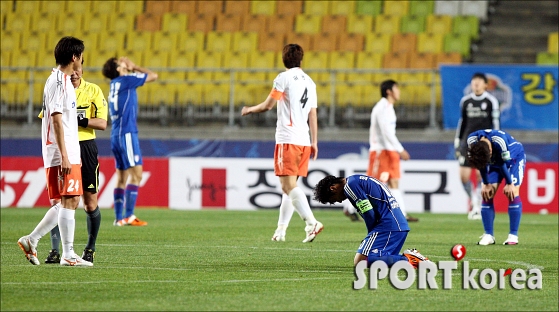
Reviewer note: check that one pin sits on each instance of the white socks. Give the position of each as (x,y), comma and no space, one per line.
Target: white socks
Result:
(285,212)
(49,221)
(400,199)
(67,224)
(300,203)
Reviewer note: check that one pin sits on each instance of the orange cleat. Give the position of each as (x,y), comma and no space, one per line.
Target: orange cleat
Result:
(133,221)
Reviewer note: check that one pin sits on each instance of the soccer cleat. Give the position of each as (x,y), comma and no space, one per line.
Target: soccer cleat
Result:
(53,257)
(29,249)
(312,231)
(474,215)
(414,257)
(74,260)
(119,223)
(486,239)
(88,255)
(279,236)
(411,219)
(511,240)
(133,221)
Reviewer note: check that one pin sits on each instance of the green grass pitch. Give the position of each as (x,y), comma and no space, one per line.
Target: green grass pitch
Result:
(224,260)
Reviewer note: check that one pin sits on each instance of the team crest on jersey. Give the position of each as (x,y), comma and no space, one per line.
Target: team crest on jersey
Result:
(483,105)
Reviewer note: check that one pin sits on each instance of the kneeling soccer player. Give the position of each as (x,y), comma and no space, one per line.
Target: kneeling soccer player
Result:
(386,224)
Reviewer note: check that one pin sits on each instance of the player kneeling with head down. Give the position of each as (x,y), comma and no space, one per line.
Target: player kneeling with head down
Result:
(386,224)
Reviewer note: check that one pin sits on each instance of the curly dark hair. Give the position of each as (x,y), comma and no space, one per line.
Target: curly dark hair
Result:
(479,155)
(322,192)
(109,68)
(292,55)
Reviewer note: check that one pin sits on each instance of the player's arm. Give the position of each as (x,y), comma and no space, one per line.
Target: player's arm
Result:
(313,126)
(265,106)
(57,125)
(98,120)
(151,76)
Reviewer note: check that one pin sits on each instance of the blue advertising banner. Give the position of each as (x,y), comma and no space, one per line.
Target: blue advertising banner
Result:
(528,95)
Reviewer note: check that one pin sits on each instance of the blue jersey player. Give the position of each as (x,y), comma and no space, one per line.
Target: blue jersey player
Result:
(386,224)
(497,156)
(123,108)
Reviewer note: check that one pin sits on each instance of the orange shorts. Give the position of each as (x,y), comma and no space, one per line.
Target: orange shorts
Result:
(64,185)
(291,160)
(384,165)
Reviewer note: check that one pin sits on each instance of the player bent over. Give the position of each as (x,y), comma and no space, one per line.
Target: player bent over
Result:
(497,156)
(386,224)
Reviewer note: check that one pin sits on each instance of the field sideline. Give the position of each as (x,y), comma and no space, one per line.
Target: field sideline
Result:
(224,260)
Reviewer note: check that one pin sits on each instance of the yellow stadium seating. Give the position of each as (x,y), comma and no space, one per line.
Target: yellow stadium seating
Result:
(334,24)
(316,60)
(95,23)
(244,94)
(178,61)
(27,6)
(80,7)
(135,56)
(254,23)
(19,22)
(308,24)
(10,41)
(218,41)
(209,7)
(553,42)
(324,42)
(90,40)
(271,42)
(131,7)
(158,7)
(289,7)
(206,60)
(304,40)
(439,24)
(427,42)
(162,94)
(192,41)
(412,78)
(448,58)
(313,7)
(239,8)
(69,23)
(341,60)
(25,59)
(139,41)
(236,60)
(186,7)
(245,41)
(398,7)
(5,59)
(361,24)
(260,60)
(34,42)
(97,58)
(121,23)
(366,60)
(279,60)
(6,6)
(189,94)
(104,7)
(164,41)
(228,22)
(280,24)
(43,22)
(323,92)
(113,42)
(342,7)
(148,22)
(155,59)
(395,60)
(387,24)
(348,95)
(53,7)
(351,42)
(378,43)
(216,94)
(263,7)
(174,22)
(9,92)
(404,42)
(201,22)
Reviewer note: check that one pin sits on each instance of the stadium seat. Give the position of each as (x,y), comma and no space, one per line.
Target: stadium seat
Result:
(271,42)
(228,22)
(18,22)
(240,7)
(186,7)
(36,42)
(429,43)
(413,23)
(190,94)
(289,7)
(245,41)
(80,7)
(95,23)
(324,42)
(543,58)
(457,43)
(178,62)
(395,60)
(342,7)
(96,58)
(466,25)
(139,40)
(206,60)
(103,7)
(348,95)
(280,24)
(365,60)
(404,42)
(475,8)
(351,42)
(135,56)
(148,22)
(553,42)
(174,22)
(304,40)
(43,22)
(308,24)
(314,7)
(53,7)
(164,41)
(113,42)
(131,7)
(216,94)
(341,60)
(243,94)
(201,22)
(9,91)
(27,6)
(316,60)
(263,7)
(158,7)
(443,7)
(421,8)
(421,60)
(439,24)
(360,24)
(378,42)
(218,41)
(5,60)
(260,60)
(6,7)
(25,59)
(368,7)
(333,24)
(411,78)
(398,7)
(155,59)
(387,24)
(448,58)
(254,23)
(235,60)
(121,23)
(192,41)
(162,94)
(209,7)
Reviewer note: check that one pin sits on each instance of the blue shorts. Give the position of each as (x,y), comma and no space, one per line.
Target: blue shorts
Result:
(382,243)
(126,149)
(516,170)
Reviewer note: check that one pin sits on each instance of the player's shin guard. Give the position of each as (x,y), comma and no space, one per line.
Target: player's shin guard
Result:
(119,202)
(130,199)
(48,222)
(93,224)
(299,201)
(55,237)
(488,215)
(515,213)
(285,211)
(67,224)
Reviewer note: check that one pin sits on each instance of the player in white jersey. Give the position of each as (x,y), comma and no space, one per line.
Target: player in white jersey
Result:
(295,93)
(61,154)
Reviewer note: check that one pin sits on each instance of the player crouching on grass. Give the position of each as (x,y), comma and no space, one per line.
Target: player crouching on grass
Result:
(386,224)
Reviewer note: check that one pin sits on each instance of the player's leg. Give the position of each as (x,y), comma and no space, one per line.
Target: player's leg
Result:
(389,168)
(135,171)
(54,254)
(488,210)
(285,213)
(373,248)
(475,198)
(90,178)
(121,164)
(515,206)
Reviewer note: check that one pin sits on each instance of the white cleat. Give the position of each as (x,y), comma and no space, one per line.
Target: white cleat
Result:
(486,239)
(279,236)
(29,249)
(312,231)
(75,260)
(474,215)
(511,240)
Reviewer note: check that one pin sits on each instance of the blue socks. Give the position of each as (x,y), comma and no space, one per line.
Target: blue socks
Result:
(390,260)
(119,203)
(130,201)
(488,215)
(515,212)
